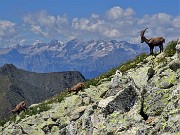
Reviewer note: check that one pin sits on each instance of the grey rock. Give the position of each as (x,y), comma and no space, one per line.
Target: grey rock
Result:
(141,75)
(174,65)
(123,101)
(78,113)
(71,129)
(87,100)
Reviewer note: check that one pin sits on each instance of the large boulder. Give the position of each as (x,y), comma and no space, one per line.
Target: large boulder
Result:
(125,94)
(141,75)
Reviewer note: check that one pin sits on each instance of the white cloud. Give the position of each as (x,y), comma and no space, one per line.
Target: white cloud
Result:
(161,24)
(8,33)
(95,16)
(156,20)
(116,23)
(46,25)
(82,24)
(119,13)
(111,25)
(39,30)
(7,29)
(176,22)
(96,27)
(113,33)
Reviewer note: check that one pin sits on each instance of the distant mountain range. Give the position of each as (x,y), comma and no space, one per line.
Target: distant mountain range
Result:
(17,85)
(91,58)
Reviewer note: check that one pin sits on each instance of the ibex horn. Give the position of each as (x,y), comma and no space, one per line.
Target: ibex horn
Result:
(143,31)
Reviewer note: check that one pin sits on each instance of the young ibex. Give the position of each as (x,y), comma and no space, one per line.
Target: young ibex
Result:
(76,88)
(20,107)
(157,41)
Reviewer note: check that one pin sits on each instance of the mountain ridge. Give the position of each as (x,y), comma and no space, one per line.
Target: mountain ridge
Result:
(91,58)
(18,85)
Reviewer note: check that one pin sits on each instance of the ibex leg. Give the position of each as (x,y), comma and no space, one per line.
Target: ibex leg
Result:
(151,50)
(161,48)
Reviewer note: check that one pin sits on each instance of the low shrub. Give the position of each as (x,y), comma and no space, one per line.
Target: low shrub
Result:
(170,49)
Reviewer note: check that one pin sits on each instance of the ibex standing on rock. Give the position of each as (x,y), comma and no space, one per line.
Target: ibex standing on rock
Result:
(76,88)
(20,107)
(157,41)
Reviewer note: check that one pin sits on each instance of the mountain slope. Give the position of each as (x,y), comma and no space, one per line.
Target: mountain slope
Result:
(91,58)
(17,85)
(143,99)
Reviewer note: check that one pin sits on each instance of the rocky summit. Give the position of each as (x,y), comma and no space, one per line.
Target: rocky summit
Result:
(144,100)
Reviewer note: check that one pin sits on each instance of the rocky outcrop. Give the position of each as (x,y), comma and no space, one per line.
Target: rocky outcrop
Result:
(144,100)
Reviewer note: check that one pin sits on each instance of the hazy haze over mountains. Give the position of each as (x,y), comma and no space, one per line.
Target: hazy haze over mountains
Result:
(91,58)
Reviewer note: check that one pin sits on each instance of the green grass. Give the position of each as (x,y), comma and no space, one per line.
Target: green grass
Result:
(123,68)
(58,98)
(170,49)
(2,122)
(133,63)
(35,110)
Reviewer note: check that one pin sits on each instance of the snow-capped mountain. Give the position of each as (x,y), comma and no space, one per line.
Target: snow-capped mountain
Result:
(91,58)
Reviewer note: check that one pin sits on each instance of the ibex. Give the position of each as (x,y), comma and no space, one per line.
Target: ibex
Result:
(156,41)
(20,107)
(76,88)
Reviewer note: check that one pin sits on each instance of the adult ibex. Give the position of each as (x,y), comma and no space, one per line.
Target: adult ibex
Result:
(20,107)
(76,88)
(156,41)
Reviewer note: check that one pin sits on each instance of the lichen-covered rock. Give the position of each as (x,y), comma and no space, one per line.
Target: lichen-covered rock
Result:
(118,82)
(77,113)
(141,75)
(96,93)
(47,125)
(86,100)
(174,65)
(156,100)
(166,79)
(71,129)
(142,101)
(123,101)
(98,122)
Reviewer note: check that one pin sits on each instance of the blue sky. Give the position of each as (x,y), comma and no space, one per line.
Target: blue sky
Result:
(30,21)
